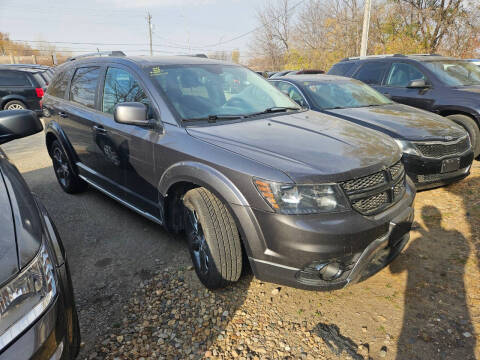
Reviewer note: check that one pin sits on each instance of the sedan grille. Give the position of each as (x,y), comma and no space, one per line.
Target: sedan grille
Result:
(373,193)
(439,150)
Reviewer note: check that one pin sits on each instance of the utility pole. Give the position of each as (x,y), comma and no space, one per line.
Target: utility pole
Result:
(149,22)
(366,25)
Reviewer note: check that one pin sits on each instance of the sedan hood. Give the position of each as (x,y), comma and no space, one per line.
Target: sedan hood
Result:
(309,146)
(8,245)
(402,122)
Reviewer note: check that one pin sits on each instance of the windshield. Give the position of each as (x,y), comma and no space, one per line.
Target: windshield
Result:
(216,90)
(343,94)
(455,72)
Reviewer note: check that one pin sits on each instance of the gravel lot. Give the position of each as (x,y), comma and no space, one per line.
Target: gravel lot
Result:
(138,296)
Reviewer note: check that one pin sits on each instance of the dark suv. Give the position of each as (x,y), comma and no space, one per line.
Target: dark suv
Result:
(22,87)
(447,86)
(308,199)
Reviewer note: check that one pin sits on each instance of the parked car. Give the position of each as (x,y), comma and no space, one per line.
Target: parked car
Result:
(436,151)
(21,88)
(38,317)
(446,86)
(282,73)
(307,199)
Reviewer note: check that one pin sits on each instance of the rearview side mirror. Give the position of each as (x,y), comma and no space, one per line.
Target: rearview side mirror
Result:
(417,84)
(131,113)
(16,124)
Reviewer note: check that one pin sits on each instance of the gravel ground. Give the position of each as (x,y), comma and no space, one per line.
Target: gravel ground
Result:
(138,296)
(426,305)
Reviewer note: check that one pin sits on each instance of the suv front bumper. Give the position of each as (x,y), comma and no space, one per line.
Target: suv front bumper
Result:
(297,245)
(426,173)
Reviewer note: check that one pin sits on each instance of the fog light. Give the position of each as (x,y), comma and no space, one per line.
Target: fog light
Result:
(330,271)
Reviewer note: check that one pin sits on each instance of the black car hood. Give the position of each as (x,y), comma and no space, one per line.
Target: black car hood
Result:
(402,122)
(307,146)
(20,224)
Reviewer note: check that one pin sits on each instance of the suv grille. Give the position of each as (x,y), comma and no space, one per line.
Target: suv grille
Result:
(374,193)
(438,150)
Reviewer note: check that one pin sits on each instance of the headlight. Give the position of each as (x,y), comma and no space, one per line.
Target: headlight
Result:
(302,199)
(26,297)
(407,147)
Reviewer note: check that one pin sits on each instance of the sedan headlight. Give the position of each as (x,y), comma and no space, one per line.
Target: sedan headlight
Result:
(407,147)
(27,296)
(302,199)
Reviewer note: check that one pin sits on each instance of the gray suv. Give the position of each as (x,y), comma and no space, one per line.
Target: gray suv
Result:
(214,150)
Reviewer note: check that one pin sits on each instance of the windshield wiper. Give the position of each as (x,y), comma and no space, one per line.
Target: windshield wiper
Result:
(214,118)
(274,110)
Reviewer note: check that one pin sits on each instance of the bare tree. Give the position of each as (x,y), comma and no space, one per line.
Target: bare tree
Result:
(273,39)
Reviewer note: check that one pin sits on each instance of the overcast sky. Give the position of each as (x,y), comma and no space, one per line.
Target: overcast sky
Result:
(178,24)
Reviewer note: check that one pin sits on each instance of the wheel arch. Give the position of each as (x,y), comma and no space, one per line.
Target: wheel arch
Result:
(181,177)
(54,132)
(12,97)
(460,111)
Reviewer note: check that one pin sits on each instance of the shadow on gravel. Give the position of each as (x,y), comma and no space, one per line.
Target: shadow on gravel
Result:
(437,323)
(469,191)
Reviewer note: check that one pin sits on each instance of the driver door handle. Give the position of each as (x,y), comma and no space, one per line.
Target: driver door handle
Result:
(99,128)
(62,114)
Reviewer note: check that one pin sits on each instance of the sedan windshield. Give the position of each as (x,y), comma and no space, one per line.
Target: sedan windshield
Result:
(343,94)
(217,91)
(455,72)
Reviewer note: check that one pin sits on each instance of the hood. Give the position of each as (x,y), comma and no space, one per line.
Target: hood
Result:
(308,146)
(8,244)
(402,122)
(474,89)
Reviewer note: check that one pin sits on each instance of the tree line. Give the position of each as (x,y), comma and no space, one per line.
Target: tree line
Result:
(319,33)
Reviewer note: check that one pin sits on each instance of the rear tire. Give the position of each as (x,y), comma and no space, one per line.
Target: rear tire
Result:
(67,178)
(213,239)
(14,105)
(472,128)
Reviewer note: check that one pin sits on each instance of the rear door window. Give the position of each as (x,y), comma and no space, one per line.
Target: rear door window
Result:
(401,74)
(372,73)
(13,78)
(84,86)
(59,84)
(341,68)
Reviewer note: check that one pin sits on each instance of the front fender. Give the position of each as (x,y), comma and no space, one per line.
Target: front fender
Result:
(54,129)
(203,175)
(460,109)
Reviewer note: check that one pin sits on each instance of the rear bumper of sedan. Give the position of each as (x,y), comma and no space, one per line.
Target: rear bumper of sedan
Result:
(305,251)
(55,334)
(429,173)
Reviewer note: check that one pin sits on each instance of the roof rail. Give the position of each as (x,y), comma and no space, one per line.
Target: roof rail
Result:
(98,53)
(195,55)
(372,56)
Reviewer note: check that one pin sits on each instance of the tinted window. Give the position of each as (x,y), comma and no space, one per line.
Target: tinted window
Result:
(121,86)
(371,73)
(401,74)
(59,84)
(84,86)
(291,91)
(13,78)
(343,94)
(340,68)
(455,72)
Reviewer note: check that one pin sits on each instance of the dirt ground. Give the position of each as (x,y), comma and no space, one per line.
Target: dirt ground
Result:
(138,297)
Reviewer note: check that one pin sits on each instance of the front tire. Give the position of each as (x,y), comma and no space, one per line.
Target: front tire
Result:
(67,178)
(213,239)
(472,129)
